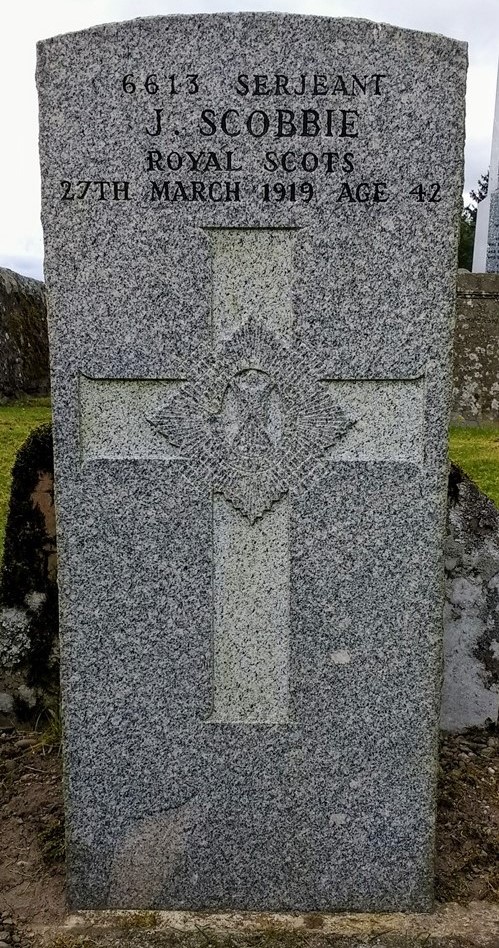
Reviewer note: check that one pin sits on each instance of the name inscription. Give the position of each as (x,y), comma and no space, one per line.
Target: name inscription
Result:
(293,167)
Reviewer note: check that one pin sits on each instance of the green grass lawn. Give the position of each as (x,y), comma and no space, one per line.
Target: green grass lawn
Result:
(476,450)
(16,423)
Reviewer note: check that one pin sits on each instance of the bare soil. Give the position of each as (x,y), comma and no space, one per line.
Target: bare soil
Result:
(31,820)
(467,857)
(31,827)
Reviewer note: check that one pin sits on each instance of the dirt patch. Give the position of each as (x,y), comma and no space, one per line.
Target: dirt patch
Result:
(31,825)
(31,848)
(467,865)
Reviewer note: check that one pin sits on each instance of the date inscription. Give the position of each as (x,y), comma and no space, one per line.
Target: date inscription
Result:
(312,128)
(99,190)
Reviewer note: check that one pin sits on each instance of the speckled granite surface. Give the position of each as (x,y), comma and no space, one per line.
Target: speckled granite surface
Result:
(251,276)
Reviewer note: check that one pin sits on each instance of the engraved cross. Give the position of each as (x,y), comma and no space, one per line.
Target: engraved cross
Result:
(254,414)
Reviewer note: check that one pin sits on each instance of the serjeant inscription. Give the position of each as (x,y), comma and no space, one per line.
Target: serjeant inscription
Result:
(339,170)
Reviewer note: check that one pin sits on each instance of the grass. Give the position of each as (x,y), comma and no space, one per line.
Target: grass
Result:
(49,729)
(476,450)
(16,423)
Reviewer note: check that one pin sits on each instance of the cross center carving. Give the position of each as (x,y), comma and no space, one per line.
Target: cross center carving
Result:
(253,419)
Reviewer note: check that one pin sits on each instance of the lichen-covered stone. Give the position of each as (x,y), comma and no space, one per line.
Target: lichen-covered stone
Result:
(476,349)
(28,587)
(24,359)
(470,695)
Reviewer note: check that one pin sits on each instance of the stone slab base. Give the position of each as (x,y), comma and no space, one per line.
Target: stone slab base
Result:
(451,926)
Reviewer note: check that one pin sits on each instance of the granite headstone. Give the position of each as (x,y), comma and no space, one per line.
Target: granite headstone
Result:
(250,229)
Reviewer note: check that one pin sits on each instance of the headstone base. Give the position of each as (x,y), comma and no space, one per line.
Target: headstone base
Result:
(451,926)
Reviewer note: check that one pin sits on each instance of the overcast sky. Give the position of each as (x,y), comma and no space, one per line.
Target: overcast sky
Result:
(23,22)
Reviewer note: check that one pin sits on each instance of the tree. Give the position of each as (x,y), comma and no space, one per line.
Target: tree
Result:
(468,223)
(478,195)
(466,241)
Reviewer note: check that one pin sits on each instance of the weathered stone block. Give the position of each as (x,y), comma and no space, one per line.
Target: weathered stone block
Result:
(470,695)
(29,667)
(476,349)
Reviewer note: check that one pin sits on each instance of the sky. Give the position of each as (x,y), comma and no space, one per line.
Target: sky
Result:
(23,22)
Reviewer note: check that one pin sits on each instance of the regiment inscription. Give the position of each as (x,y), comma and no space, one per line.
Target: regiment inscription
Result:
(295,169)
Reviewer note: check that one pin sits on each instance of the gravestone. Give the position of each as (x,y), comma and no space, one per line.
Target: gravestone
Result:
(486,246)
(250,229)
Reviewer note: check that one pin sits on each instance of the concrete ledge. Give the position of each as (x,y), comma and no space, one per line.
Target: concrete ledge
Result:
(451,926)
(477,284)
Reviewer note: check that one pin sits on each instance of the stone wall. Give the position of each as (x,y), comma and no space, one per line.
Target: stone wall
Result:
(24,358)
(476,349)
